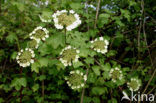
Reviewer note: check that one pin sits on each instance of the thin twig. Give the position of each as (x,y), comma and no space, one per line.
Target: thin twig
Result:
(97,13)
(151,90)
(139,39)
(148,51)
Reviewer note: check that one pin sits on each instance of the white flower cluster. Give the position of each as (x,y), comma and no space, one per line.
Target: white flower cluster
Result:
(42,35)
(134,84)
(100,45)
(69,55)
(70,21)
(79,79)
(37,44)
(115,74)
(44,20)
(25,57)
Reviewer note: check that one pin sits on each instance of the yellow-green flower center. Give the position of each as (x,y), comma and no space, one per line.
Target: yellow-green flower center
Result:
(69,55)
(25,57)
(66,19)
(115,74)
(133,84)
(39,34)
(99,45)
(76,79)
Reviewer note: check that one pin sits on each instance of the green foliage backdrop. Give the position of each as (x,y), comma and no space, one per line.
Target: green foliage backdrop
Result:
(129,25)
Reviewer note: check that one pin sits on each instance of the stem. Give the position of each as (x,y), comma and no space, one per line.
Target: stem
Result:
(83,91)
(139,39)
(87,13)
(97,13)
(0,7)
(43,87)
(65,35)
(18,45)
(21,70)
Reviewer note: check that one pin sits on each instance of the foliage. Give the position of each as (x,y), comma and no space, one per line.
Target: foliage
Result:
(129,25)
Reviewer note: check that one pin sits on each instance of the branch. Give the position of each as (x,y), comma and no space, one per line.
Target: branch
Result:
(97,13)
(145,38)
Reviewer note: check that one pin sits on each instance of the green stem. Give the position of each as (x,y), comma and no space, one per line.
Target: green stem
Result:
(43,87)
(65,35)
(97,13)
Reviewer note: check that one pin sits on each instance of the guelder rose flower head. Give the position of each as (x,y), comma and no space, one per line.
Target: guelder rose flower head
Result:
(68,19)
(115,74)
(39,33)
(134,84)
(69,55)
(100,45)
(76,79)
(25,57)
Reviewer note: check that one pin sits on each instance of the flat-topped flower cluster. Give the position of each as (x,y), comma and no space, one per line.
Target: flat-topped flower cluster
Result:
(69,55)
(66,19)
(76,79)
(134,84)
(25,57)
(100,45)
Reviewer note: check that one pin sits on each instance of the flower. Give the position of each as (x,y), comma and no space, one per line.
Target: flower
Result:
(134,84)
(39,33)
(69,19)
(100,45)
(44,19)
(115,74)
(69,55)
(25,57)
(34,44)
(76,79)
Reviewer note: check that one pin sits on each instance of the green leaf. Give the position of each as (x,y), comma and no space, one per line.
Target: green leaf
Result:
(106,67)
(18,82)
(77,64)
(42,77)
(96,70)
(103,19)
(23,82)
(56,40)
(76,6)
(35,67)
(96,100)
(19,5)
(35,87)
(113,100)
(43,62)
(11,38)
(13,55)
(87,99)
(111,53)
(99,90)
(89,60)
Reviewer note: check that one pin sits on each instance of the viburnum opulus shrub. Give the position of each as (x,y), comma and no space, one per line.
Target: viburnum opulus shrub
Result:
(76,51)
